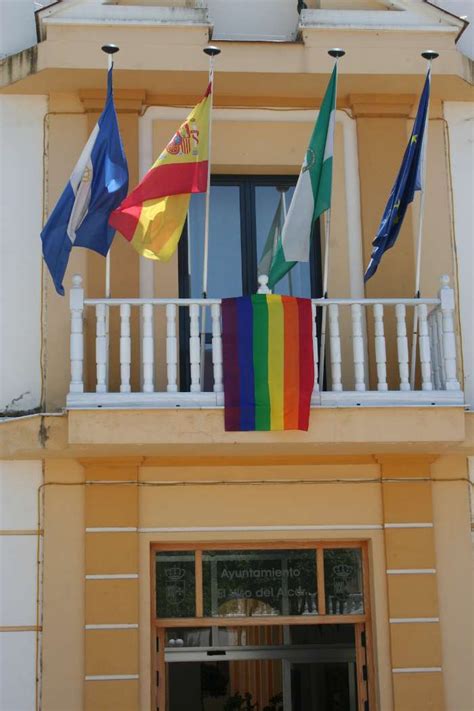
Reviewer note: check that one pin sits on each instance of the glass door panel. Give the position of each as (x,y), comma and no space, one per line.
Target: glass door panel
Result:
(323,687)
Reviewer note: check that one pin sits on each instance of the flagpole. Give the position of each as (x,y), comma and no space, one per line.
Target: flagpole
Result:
(336,53)
(110,50)
(429,55)
(211,52)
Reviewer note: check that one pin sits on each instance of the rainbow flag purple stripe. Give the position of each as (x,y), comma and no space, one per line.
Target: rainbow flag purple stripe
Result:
(268,362)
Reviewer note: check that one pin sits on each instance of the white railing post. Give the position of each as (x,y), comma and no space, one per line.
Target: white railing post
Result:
(194,348)
(425,355)
(125,348)
(380,351)
(148,359)
(402,347)
(434,343)
(76,303)
(217,348)
(171,349)
(446,295)
(101,350)
(335,350)
(316,386)
(358,347)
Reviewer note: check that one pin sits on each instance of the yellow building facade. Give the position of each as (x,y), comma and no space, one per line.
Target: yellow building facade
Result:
(153,560)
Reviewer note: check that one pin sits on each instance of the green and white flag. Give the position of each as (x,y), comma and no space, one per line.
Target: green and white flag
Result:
(312,193)
(273,240)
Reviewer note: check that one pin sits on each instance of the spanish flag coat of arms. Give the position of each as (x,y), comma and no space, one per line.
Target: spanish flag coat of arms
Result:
(152,216)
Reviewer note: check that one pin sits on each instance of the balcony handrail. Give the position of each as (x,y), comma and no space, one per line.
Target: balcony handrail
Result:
(179,301)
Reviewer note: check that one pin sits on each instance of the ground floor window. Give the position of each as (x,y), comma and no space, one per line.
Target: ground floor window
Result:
(261,628)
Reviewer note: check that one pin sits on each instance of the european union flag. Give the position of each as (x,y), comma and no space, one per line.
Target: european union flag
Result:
(98,184)
(403,191)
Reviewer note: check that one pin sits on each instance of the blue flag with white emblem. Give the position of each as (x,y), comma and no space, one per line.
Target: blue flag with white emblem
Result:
(98,184)
(407,182)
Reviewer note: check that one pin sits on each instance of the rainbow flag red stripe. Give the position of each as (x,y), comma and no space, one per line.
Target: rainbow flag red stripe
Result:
(268,362)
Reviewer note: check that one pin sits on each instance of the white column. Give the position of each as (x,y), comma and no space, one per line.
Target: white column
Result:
(101,348)
(358,347)
(380,351)
(217,348)
(402,347)
(433,335)
(147,348)
(446,294)
(171,348)
(76,301)
(194,348)
(125,348)
(335,350)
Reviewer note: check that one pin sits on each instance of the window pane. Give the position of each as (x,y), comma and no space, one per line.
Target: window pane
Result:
(225,260)
(343,581)
(253,583)
(175,584)
(267,199)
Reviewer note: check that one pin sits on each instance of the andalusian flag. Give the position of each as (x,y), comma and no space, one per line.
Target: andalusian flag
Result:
(313,190)
(153,215)
(273,240)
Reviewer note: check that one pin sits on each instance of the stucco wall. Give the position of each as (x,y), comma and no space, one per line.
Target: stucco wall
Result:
(21,205)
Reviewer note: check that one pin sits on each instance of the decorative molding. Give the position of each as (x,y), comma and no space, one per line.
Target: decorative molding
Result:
(111,677)
(412,620)
(416,670)
(117,626)
(411,571)
(117,576)
(381,105)
(127,101)
(408,525)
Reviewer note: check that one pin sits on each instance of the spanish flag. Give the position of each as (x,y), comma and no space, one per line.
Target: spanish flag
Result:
(153,215)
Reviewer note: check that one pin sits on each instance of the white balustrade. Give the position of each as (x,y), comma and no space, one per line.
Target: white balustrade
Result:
(380,350)
(446,295)
(436,356)
(148,358)
(194,348)
(76,302)
(101,347)
(425,353)
(358,347)
(335,347)
(315,349)
(402,347)
(171,349)
(125,348)
(217,348)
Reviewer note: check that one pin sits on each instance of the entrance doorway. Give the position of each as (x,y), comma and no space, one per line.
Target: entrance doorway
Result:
(315,670)
(262,627)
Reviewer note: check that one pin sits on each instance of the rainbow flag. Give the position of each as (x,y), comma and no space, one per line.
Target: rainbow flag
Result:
(268,362)
(152,217)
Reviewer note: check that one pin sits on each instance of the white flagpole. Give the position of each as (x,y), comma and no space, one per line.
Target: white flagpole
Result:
(110,50)
(336,53)
(429,55)
(211,52)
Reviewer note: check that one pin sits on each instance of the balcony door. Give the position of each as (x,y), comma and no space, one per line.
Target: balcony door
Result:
(241,214)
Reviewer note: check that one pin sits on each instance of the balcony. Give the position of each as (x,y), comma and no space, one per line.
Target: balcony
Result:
(369,355)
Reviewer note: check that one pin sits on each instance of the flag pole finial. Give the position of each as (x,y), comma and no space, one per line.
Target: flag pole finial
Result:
(211,50)
(110,48)
(336,52)
(430,54)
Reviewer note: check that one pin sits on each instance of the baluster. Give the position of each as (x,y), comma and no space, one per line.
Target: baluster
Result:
(402,346)
(425,355)
(171,349)
(446,294)
(147,348)
(434,349)
(76,303)
(439,328)
(335,341)
(101,348)
(217,348)
(316,387)
(358,347)
(194,348)
(125,348)
(380,352)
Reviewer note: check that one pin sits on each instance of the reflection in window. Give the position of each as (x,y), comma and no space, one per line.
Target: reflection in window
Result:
(175,584)
(343,581)
(257,583)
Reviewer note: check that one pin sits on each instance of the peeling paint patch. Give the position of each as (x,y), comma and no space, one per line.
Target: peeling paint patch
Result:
(18,66)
